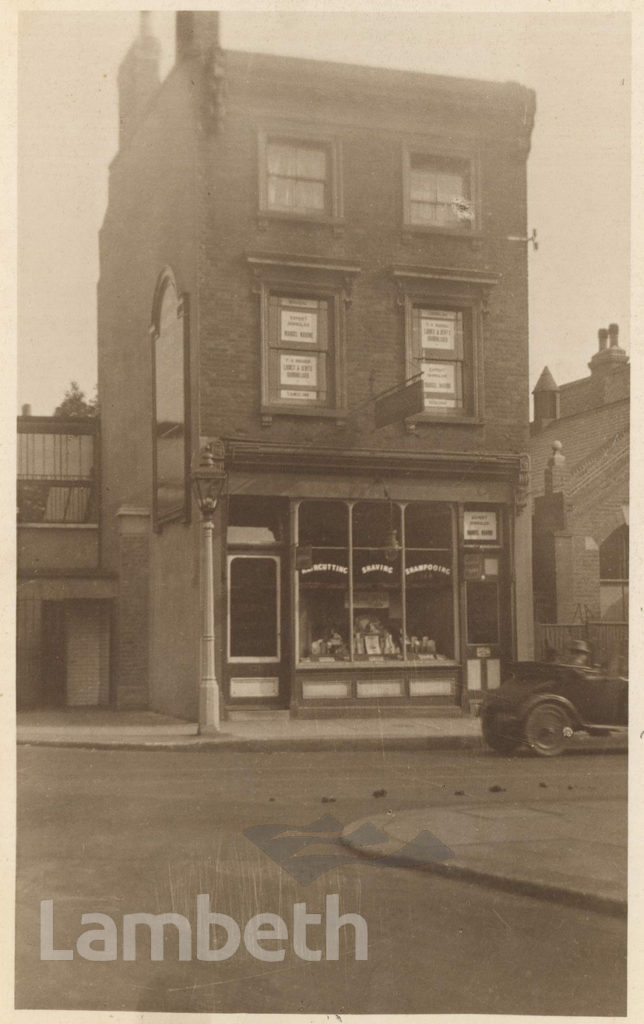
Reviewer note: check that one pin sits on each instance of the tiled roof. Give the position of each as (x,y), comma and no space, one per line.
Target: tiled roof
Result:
(591,440)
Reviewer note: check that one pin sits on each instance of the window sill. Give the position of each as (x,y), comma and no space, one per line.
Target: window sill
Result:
(321,412)
(266,216)
(443,418)
(427,229)
(58,526)
(385,665)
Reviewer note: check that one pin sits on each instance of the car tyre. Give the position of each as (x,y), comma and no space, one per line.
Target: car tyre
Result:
(548,729)
(503,738)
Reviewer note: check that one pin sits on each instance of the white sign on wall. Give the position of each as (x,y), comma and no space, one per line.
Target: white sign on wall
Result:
(480,525)
(298,327)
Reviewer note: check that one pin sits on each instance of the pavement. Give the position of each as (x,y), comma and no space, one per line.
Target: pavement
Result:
(552,850)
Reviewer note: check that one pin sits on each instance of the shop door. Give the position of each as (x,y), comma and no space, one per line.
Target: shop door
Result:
(487,633)
(257,648)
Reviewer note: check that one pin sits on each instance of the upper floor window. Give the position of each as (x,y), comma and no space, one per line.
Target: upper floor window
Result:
(439,191)
(438,336)
(299,176)
(303,308)
(56,474)
(169,341)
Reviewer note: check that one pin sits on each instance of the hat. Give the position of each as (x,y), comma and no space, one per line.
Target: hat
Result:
(579,645)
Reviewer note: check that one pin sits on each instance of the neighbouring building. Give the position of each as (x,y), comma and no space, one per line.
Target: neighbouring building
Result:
(580,481)
(64,598)
(285,240)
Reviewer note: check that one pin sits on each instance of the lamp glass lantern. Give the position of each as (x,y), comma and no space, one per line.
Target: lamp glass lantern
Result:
(209,478)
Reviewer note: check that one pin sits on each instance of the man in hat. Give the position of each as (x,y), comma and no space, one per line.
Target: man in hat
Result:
(578,653)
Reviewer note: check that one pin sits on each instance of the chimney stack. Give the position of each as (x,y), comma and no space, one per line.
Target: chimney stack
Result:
(197,33)
(138,78)
(26,410)
(609,355)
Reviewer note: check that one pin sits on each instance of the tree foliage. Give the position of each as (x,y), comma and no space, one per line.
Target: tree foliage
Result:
(75,405)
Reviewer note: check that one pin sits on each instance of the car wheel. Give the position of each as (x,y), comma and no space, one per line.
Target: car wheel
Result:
(500,734)
(548,729)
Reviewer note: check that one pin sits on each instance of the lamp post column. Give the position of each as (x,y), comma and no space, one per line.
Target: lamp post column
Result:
(208,686)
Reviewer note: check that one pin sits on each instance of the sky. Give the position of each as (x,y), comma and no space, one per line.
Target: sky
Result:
(578,169)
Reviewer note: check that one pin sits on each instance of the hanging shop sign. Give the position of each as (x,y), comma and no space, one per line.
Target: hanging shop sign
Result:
(480,525)
(397,404)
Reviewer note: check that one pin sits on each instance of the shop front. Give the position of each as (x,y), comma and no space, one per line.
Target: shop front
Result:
(348,594)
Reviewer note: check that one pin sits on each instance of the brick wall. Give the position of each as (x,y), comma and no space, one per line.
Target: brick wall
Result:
(371,128)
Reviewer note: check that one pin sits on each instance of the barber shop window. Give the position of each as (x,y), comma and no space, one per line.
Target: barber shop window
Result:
(375,582)
(170,442)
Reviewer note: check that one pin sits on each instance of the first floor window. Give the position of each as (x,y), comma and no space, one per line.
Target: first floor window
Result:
(300,350)
(438,336)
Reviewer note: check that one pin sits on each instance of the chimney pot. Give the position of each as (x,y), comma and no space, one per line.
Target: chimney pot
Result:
(613,333)
(26,410)
(603,338)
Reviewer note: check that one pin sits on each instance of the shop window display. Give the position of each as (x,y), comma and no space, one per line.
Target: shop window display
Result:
(375,582)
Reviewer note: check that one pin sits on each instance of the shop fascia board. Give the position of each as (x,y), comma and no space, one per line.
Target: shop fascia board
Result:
(263,455)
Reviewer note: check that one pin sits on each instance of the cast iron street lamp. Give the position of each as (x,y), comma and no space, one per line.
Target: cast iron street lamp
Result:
(208,479)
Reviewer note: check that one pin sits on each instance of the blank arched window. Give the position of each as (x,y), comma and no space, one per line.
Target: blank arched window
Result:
(169,346)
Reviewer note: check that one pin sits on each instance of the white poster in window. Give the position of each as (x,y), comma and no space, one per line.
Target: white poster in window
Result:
(439,381)
(438,331)
(300,371)
(298,327)
(480,525)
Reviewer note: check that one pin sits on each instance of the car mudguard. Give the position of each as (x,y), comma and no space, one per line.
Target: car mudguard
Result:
(544,697)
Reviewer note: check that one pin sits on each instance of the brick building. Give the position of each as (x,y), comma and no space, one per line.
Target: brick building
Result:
(64,598)
(285,240)
(580,481)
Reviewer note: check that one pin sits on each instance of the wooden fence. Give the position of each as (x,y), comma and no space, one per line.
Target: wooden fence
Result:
(608,641)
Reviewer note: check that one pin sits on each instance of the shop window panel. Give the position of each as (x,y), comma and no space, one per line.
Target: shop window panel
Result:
(377,604)
(254,616)
(429,605)
(324,606)
(374,522)
(482,612)
(428,526)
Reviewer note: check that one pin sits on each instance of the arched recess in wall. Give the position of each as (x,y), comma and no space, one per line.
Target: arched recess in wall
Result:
(170,331)
(613,575)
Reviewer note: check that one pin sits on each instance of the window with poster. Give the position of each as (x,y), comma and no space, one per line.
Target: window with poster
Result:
(375,582)
(443,314)
(302,322)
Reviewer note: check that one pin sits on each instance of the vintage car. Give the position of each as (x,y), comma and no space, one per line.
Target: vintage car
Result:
(542,704)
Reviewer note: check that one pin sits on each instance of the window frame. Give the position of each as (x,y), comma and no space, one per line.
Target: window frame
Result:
(293,135)
(469,361)
(304,278)
(182,513)
(466,151)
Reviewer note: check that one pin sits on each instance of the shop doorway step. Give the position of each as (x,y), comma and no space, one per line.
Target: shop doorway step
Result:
(257,714)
